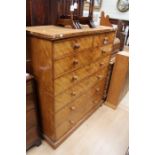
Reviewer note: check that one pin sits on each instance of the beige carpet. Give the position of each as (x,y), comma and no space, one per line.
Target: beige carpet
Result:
(104,133)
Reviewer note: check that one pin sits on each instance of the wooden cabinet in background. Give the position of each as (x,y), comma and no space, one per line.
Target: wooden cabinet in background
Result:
(70,67)
(32,131)
(119,80)
(41,12)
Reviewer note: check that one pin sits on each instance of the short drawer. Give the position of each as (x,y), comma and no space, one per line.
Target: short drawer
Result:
(72,62)
(30,119)
(104,39)
(70,46)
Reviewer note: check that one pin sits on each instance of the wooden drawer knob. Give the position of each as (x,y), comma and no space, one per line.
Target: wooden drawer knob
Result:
(103,51)
(75,77)
(97,89)
(73,93)
(73,108)
(76,46)
(101,64)
(105,41)
(99,77)
(75,62)
(71,122)
(95,102)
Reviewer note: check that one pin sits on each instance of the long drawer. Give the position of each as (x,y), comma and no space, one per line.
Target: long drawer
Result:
(66,81)
(78,89)
(71,114)
(70,46)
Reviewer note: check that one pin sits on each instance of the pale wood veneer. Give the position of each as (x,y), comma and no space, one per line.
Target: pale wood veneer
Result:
(70,67)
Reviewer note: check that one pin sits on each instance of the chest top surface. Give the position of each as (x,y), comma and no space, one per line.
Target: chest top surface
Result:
(55,32)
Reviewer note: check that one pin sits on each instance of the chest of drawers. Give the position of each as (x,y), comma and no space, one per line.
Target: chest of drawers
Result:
(70,67)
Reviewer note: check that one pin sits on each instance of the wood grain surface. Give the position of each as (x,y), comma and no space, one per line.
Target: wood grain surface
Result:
(70,67)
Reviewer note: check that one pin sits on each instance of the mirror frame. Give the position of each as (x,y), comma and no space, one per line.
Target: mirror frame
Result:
(125,8)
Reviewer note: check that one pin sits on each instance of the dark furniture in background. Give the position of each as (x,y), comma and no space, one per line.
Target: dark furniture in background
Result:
(104,20)
(121,34)
(32,130)
(75,17)
(41,12)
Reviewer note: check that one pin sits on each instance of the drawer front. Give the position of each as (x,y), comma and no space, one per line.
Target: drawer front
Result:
(71,114)
(72,62)
(30,119)
(68,80)
(70,46)
(104,39)
(101,52)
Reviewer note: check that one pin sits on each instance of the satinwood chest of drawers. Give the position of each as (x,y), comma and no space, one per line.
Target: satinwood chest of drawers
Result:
(70,67)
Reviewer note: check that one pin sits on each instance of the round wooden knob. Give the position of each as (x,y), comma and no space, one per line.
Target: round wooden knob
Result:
(73,93)
(75,62)
(97,89)
(95,102)
(103,51)
(73,108)
(99,76)
(76,46)
(75,77)
(101,64)
(105,41)
(71,122)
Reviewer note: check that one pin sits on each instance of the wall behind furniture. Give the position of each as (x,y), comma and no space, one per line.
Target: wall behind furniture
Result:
(110,8)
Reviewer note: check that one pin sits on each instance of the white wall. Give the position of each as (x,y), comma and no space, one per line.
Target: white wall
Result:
(110,8)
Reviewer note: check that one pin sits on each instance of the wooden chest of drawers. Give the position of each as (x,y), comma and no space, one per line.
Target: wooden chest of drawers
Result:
(70,67)
(32,132)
